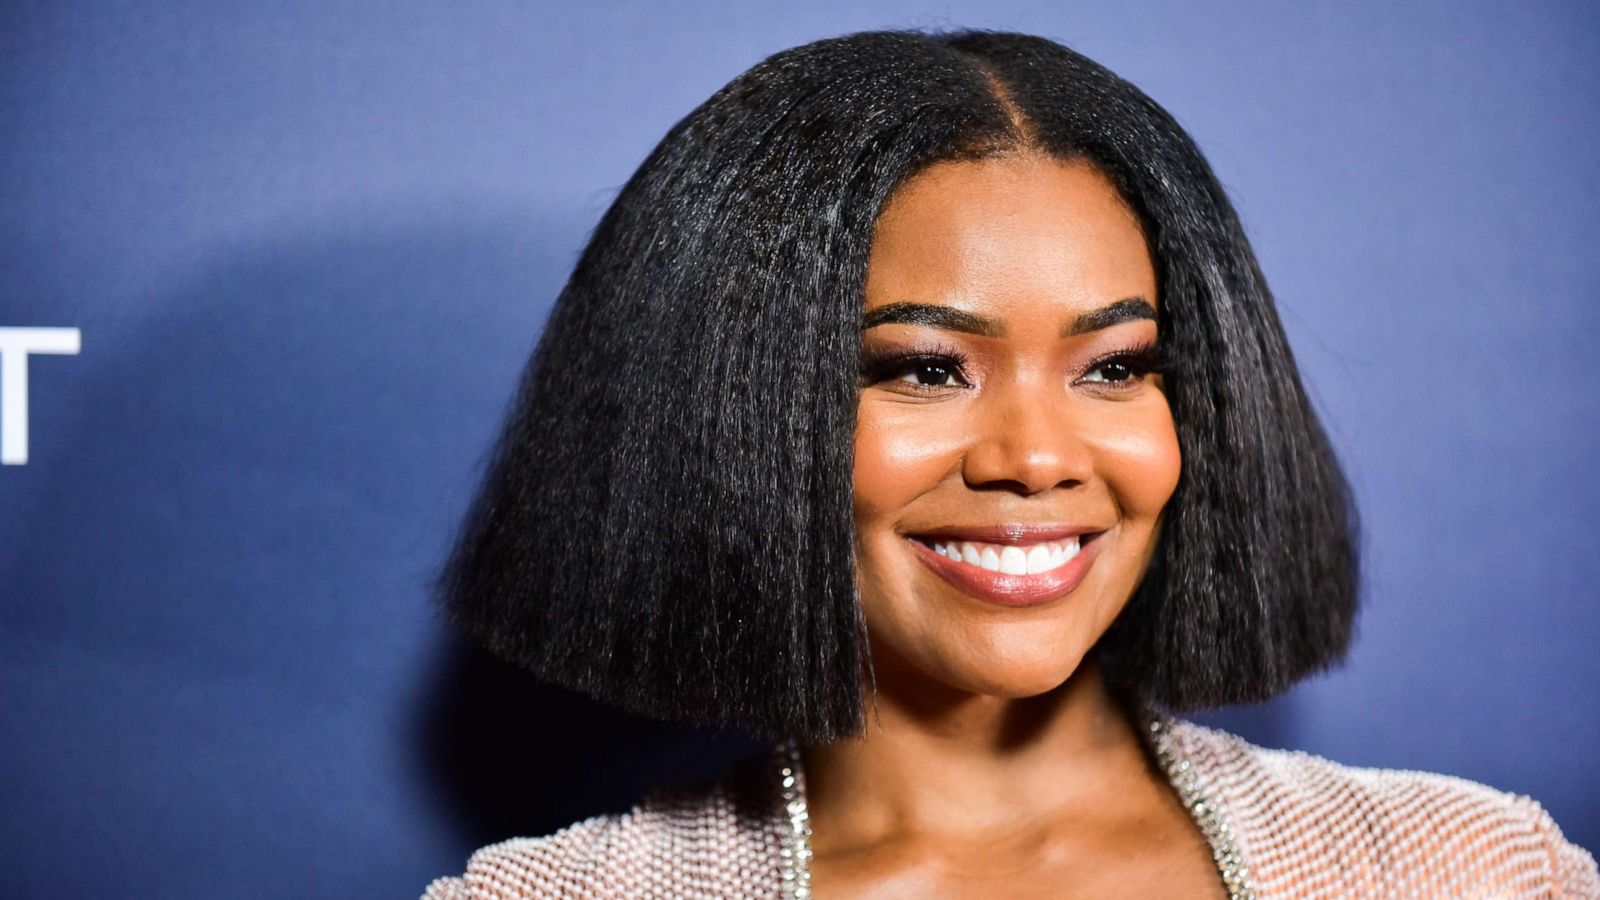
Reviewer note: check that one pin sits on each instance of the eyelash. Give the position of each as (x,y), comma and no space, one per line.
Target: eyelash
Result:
(881,365)
(1141,360)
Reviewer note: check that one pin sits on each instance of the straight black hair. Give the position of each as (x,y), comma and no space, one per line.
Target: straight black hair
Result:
(666,522)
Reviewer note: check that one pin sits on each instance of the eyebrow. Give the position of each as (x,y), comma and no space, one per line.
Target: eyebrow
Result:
(1128,309)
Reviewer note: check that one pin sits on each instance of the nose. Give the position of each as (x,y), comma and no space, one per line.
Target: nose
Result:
(1028,440)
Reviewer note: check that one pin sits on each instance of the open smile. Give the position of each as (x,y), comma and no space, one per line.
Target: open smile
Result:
(1010,565)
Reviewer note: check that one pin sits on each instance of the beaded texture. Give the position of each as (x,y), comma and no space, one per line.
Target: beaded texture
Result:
(796,851)
(1207,815)
(1279,823)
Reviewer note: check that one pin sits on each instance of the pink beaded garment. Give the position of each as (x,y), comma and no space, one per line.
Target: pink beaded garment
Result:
(1280,824)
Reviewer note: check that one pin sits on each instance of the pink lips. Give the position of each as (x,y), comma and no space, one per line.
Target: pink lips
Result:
(1011,590)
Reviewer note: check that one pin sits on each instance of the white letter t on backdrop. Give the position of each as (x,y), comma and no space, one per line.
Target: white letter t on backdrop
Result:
(15,345)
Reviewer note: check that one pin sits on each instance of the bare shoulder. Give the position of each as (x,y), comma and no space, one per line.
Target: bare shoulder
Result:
(1304,822)
(715,839)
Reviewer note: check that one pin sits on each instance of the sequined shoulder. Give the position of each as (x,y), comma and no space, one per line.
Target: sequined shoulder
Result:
(570,862)
(717,840)
(1307,825)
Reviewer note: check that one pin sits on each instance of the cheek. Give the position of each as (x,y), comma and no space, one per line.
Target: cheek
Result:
(1140,461)
(897,459)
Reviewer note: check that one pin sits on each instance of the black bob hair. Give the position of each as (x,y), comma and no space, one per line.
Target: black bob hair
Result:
(666,523)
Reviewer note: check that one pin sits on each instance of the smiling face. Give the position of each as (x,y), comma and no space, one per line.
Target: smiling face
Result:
(1013,452)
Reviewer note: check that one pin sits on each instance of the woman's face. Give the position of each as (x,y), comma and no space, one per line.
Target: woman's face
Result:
(1006,422)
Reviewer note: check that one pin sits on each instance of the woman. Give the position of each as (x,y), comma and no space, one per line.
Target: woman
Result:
(919,401)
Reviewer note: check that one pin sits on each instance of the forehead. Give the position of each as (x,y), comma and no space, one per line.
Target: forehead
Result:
(1009,232)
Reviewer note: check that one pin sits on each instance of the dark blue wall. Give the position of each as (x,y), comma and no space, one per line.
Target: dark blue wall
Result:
(308,249)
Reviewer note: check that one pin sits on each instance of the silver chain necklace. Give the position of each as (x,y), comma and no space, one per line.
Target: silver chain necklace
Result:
(796,844)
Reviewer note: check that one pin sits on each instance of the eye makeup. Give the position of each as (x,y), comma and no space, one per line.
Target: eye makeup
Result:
(1133,364)
(886,363)
(1138,361)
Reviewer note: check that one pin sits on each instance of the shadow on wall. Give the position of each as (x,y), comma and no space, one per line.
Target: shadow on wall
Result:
(512,757)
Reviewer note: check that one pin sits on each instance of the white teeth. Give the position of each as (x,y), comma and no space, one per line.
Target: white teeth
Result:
(1010,558)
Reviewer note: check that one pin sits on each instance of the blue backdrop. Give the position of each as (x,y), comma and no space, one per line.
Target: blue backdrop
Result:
(308,248)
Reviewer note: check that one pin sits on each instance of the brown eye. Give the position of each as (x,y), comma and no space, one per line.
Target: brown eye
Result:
(1113,371)
(922,370)
(931,373)
(1124,370)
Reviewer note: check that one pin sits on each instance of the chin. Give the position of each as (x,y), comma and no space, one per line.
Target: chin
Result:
(1008,671)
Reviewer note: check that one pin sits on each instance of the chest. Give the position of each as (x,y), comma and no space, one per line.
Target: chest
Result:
(1142,857)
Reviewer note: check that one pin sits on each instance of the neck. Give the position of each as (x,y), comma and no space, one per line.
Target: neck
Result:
(933,760)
